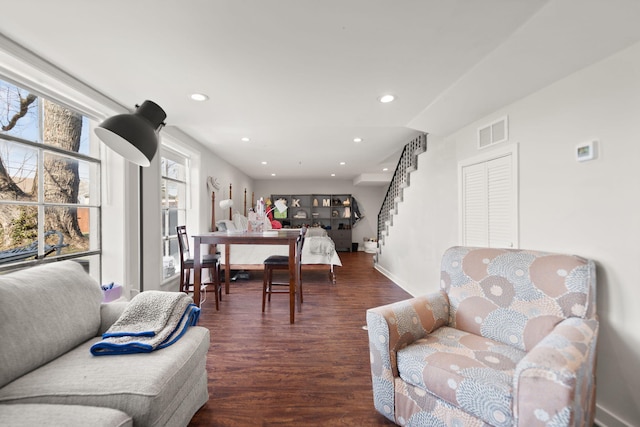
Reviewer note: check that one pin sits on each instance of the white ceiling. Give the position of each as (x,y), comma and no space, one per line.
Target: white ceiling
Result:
(301,78)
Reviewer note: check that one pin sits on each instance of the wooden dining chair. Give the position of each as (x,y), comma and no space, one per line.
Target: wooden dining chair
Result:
(281,262)
(209,261)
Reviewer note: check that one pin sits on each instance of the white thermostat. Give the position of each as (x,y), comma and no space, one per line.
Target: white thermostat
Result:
(586,151)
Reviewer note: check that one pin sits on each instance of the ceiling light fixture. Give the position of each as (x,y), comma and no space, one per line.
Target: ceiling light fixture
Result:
(333,174)
(273,174)
(386,98)
(199,97)
(343,163)
(357,139)
(245,139)
(134,135)
(385,169)
(264,163)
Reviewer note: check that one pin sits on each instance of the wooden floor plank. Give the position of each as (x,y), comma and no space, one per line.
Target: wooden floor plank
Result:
(264,371)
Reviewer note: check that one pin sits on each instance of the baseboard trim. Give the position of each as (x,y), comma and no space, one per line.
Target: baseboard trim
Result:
(606,418)
(391,277)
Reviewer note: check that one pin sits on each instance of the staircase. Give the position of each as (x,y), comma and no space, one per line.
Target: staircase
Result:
(407,163)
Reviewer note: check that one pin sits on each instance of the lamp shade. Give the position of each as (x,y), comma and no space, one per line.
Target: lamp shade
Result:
(281,206)
(134,136)
(226,204)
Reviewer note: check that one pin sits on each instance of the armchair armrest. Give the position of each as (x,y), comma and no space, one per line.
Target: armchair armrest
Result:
(556,379)
(109,313)
(394,326)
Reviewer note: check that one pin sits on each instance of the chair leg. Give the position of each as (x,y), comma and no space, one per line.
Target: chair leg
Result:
(187,278)
(218,279)
(265,278)
(213,271)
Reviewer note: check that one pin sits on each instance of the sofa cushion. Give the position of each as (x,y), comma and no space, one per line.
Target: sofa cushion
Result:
(44,312)
(150,387)
(469,371)
(42,415)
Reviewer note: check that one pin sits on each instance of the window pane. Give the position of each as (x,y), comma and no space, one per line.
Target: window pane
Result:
(61,126)
(19,232)
(85,138)
(176,218)
(175,194)
(18,112)
(74,225)
(163,193)
(68,180)
(20,164)
(171,169)
(171,258)
(89,224)
(61,179)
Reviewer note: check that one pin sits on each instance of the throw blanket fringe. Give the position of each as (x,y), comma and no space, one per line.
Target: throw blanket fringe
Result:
(152,320)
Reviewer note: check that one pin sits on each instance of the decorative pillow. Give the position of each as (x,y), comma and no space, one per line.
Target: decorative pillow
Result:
(316,231)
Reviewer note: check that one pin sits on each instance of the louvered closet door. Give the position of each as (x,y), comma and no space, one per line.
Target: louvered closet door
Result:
(474,205)
(488,203)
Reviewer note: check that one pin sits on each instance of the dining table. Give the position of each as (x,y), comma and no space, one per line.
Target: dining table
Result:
(287,237)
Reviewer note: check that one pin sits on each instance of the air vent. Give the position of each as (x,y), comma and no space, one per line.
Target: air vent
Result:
(493,133)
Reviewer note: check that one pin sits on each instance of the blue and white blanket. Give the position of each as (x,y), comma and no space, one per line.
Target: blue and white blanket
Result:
(152,320)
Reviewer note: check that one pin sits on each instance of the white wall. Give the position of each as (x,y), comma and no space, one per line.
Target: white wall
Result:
(590,209)
(121,233)
(369,199)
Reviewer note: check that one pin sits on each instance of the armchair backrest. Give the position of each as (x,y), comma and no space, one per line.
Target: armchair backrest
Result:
(515,296)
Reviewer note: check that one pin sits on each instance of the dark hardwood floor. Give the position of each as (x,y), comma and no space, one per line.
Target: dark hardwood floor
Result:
(264,371)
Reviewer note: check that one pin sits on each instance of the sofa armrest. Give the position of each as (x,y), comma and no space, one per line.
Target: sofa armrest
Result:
(394,326)
(555,382)
(109,313)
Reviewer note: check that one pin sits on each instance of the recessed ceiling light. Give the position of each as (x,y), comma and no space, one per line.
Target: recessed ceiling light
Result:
(386,98)
(343,163)
(273,174)
(199,97)
(264,163)
(245,139)
(357,139)
(333,174)
(385,169)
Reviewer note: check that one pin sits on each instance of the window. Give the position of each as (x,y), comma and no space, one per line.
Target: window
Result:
(488,200)
(49,180)
(174,207)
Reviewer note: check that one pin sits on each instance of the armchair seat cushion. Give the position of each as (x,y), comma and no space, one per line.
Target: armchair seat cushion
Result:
(469,371)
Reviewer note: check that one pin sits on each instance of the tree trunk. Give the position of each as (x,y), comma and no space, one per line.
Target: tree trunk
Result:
(62,128)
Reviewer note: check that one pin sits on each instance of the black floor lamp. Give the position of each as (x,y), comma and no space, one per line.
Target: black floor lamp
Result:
(135,137)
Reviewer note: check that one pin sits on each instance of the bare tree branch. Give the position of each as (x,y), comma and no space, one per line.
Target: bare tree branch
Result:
(24,108)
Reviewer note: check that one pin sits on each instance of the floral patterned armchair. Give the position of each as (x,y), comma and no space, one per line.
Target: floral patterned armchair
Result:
(510,340)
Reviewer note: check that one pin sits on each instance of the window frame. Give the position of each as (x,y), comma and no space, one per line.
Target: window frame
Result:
(42,148)
(167,234)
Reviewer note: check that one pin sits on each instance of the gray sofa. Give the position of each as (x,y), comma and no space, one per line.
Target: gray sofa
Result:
(50,316)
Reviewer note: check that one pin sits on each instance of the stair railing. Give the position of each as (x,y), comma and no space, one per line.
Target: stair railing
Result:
(407,163)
